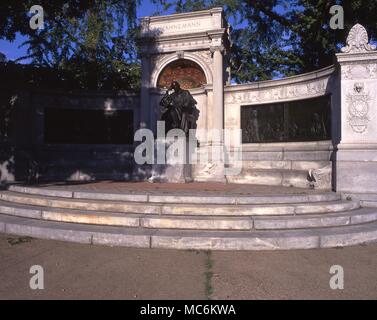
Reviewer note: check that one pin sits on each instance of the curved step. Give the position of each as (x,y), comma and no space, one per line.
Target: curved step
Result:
(189,221)
(184,239)
(178,208)
(275,177)
(188,197)
(304,165)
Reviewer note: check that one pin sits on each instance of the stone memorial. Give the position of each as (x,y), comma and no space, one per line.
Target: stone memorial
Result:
(315,130)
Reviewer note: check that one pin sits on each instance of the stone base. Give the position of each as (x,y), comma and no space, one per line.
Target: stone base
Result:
(211,172)
(356,170)
(210,166)
(357,177)
(171,173)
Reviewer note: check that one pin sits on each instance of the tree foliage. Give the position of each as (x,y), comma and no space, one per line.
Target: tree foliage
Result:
(91,44)
(272,38)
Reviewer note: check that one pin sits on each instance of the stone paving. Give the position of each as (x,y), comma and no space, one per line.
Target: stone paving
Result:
(77,271)
(201,188)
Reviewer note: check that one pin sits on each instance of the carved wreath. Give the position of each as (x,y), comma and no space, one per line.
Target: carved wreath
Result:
(358,108)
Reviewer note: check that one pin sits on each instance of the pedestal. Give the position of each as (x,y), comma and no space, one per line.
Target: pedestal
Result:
(212,170)
(356,158)
(173,170)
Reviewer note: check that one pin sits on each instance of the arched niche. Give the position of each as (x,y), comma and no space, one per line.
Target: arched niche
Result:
(188,73)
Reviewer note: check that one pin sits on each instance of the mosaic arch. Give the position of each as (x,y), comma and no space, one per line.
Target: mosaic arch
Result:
(188,73)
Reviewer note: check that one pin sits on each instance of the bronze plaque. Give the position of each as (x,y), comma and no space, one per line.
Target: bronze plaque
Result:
(294,121)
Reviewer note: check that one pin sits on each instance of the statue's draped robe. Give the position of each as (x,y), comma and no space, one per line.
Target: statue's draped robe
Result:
(181,111)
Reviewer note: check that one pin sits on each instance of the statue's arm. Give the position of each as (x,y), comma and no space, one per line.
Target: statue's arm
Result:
(166,100)
(189,99)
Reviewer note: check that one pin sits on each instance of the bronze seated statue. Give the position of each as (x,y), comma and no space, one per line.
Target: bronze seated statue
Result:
(180,109)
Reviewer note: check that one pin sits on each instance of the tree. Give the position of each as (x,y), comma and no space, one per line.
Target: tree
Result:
(272,38)
(91,42)
(3,57)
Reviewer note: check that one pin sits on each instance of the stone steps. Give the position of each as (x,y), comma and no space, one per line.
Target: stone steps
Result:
(187,219)
(365,199)
(284,164)
(274,177)
(164,207)
(187,197)
(205,222)
(371,204)
(189,239)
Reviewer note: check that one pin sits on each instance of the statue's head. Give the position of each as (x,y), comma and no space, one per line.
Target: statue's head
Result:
(175,86)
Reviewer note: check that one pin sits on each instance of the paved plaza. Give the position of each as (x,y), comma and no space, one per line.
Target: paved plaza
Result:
(193,188)
(76,271)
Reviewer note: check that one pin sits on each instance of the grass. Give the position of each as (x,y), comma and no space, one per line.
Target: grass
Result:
(19,240)
(208,275)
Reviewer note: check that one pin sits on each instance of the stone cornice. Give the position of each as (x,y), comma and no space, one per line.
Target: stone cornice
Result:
(357,57)
(186,15)
(175,37)
(182,23)
(314,75)
(194,91)
(216,33)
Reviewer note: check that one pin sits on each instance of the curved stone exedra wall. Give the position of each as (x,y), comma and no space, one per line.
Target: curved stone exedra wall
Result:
(308,85)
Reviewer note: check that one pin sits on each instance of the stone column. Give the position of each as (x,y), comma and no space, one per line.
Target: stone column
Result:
(218,89)
(214,171)
(144,94)
(356,160)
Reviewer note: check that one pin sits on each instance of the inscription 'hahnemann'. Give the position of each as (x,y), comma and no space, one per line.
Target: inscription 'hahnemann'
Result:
(178,26)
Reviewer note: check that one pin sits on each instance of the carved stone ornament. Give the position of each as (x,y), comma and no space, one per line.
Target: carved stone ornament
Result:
(205,56)
(215,48)
(320,178)
(372,70)
(209,169)
(180,54)
(347,72)
(358,108)
(357,41)
(316,88)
